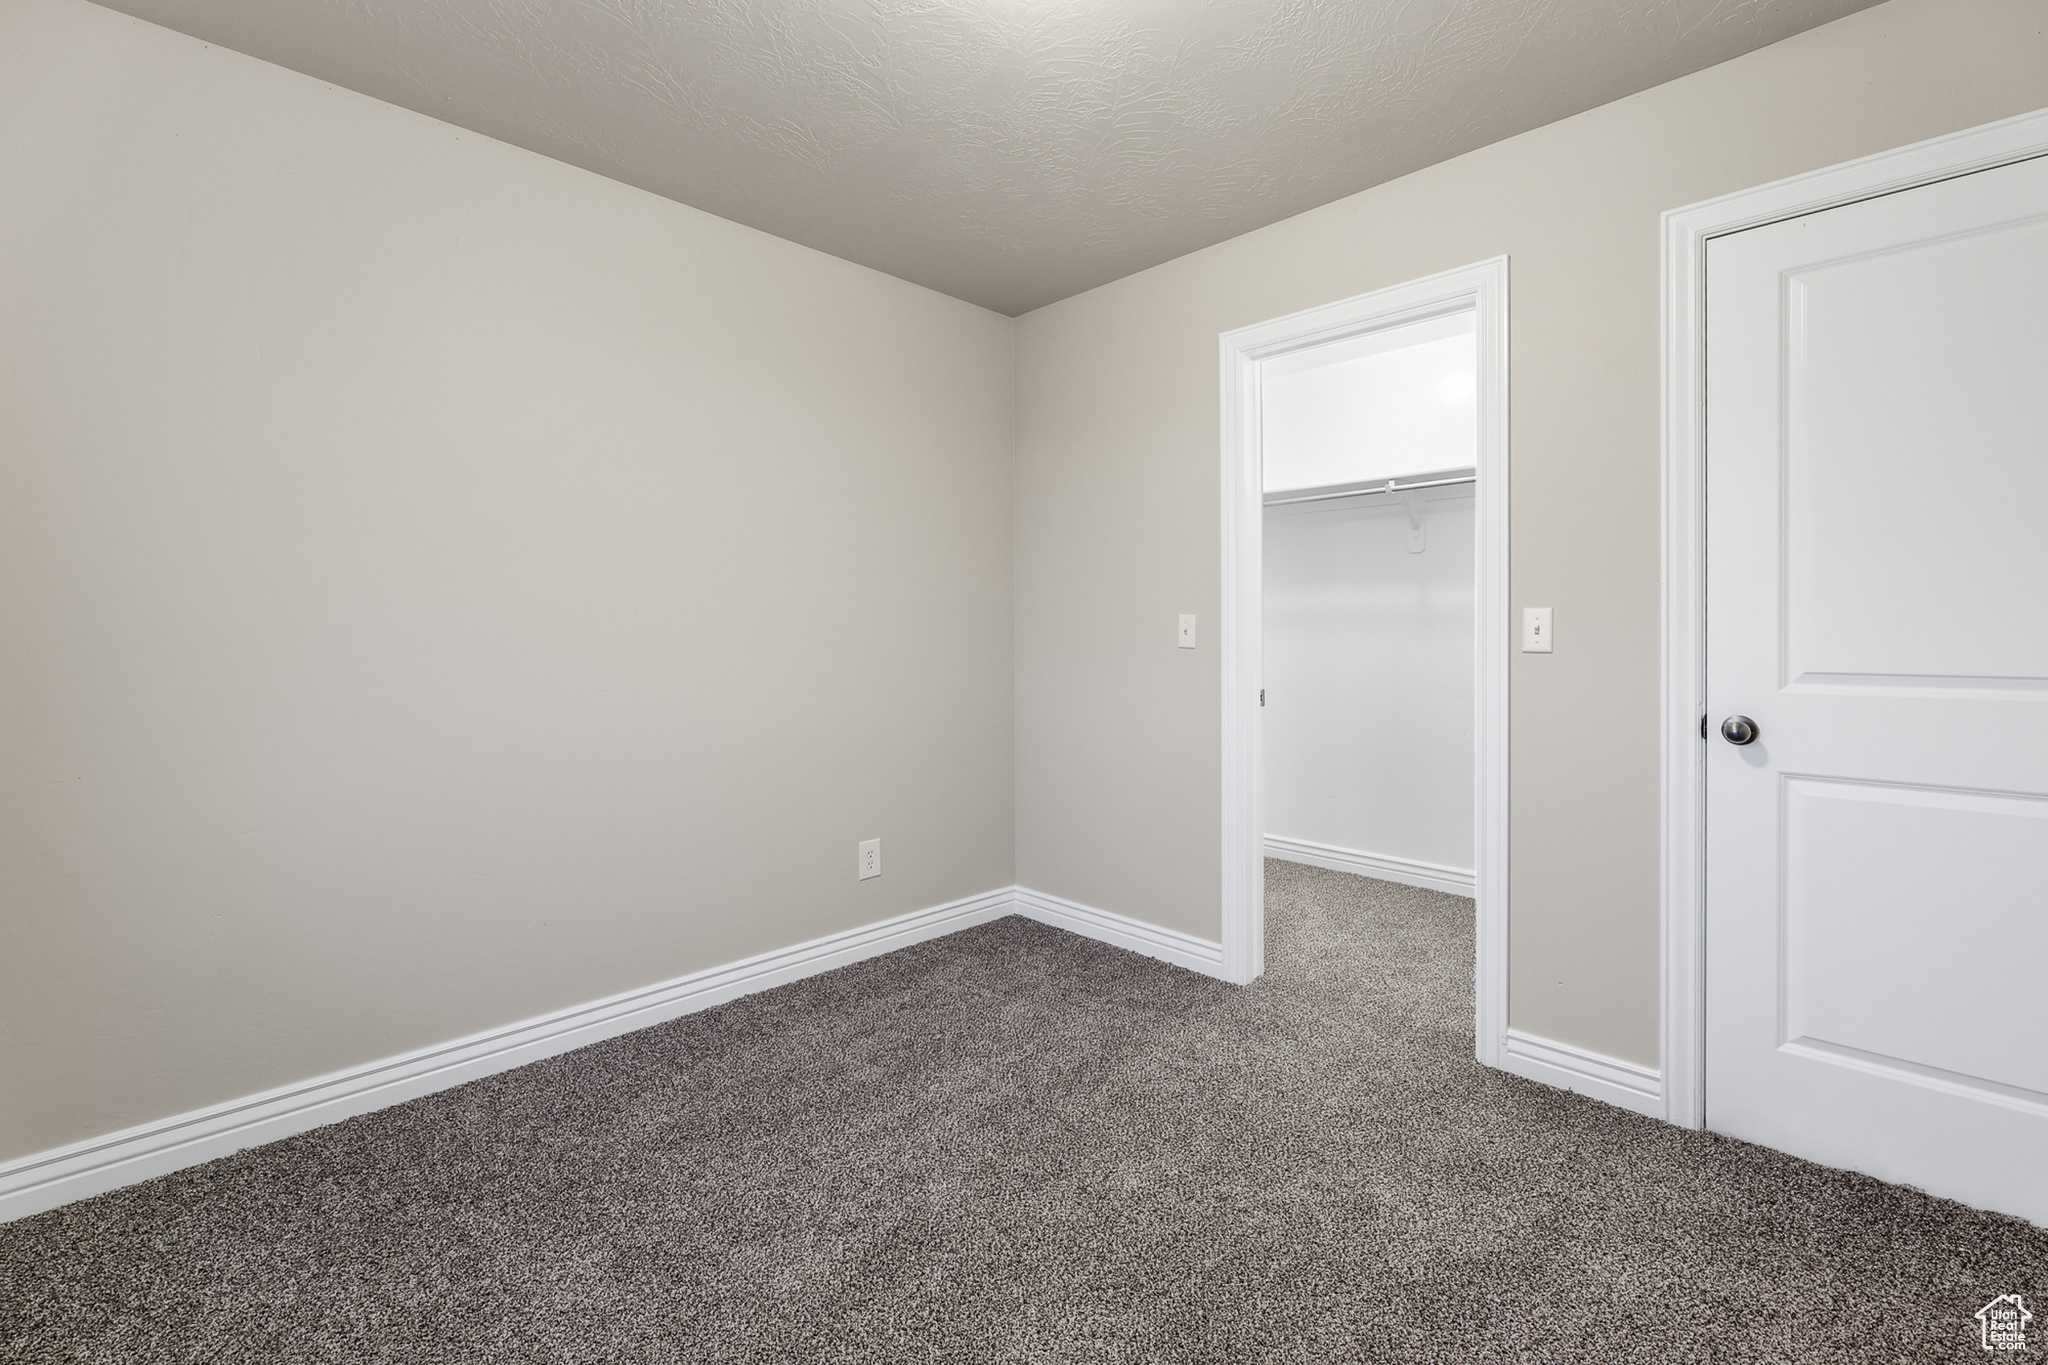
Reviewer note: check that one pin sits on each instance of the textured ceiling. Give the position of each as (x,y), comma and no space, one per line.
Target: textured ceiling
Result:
(1009,152)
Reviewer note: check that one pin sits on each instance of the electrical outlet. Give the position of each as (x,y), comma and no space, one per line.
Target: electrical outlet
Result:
(1536,630)
(1187,631)
(870,859)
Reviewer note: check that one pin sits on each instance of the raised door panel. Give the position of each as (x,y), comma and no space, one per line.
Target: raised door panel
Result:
(1916,465)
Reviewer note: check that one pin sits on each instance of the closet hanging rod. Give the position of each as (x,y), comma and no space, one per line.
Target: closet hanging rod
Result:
(1389,487)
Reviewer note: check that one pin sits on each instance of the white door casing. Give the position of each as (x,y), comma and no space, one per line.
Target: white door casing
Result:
(1682,826)
(1876,864)
(1483,289)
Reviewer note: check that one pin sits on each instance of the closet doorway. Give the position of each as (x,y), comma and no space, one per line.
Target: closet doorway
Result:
(1369,457)
(1364,617)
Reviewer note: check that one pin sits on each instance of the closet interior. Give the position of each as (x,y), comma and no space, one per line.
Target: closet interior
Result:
(1368,447)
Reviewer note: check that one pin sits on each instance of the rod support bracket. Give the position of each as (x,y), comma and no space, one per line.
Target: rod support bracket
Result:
(1417,542)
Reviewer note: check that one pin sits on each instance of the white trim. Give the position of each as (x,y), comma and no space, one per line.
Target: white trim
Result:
(1457,881)
(1682,835)
(1592,1074)
(1484,289)
(1240,628)
(1168,945)
(43,1180)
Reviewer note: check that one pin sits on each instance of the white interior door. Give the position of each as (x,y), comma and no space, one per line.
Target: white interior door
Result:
(1877,603)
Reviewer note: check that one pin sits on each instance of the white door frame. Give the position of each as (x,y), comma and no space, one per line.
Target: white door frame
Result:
(1684,830)
(1482,288)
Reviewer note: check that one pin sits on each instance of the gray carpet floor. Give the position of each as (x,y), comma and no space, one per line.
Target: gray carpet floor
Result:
(1017,1145)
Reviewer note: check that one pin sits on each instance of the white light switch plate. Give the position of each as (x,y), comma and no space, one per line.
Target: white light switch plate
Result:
(1187,631)
(1536,630)
(870,859)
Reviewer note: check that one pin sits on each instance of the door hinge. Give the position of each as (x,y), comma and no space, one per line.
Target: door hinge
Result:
(1262,702)
(1703,725)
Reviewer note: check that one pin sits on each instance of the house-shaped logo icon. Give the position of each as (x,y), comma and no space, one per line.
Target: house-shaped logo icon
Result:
(2003,1322)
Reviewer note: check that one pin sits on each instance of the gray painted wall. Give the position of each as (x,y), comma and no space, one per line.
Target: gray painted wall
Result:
(1117,483)
(439,585)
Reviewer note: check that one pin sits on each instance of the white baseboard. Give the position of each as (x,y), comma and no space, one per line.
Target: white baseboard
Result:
(43,1180)
(1458,881)
(1168,945)
(1592,1074)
